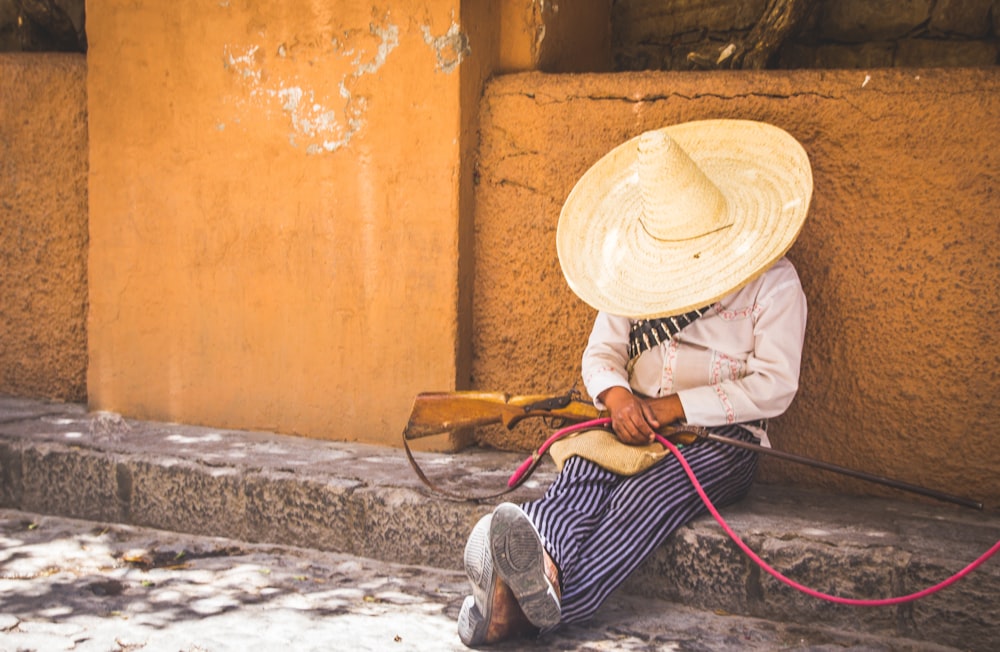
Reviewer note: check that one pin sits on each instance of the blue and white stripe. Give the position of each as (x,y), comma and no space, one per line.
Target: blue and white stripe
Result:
(598,526)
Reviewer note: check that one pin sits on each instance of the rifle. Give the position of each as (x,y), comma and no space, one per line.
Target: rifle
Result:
(437,412)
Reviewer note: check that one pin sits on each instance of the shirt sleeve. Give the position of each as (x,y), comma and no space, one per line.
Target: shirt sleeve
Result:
(606,356)
(772,372)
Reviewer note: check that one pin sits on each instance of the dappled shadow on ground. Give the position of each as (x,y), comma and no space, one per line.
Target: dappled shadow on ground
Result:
(68,584)
(129,586)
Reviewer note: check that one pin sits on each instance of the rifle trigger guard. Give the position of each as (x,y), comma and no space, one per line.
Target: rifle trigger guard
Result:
(554,423)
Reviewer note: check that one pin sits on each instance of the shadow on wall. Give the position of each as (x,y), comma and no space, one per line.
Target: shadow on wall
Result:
(42,26)
(804,34)
(687,34)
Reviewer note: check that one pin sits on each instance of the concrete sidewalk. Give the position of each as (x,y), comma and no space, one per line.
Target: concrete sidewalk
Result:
(79,585)
(322,501)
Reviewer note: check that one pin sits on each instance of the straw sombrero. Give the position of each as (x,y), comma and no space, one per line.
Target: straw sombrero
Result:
(677,218)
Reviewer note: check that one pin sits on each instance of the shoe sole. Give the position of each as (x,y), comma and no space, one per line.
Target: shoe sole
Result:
(471,624)
(518,557)
(473,621)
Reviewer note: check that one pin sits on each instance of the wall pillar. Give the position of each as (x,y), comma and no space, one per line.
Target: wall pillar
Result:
(274,212)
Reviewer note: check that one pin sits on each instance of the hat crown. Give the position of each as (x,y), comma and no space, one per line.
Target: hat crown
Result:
(678,201)
(681,219)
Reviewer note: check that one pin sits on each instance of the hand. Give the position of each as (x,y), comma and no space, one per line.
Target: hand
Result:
(632,417)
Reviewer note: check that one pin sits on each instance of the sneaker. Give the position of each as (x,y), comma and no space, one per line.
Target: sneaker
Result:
(490,614)
(521,562)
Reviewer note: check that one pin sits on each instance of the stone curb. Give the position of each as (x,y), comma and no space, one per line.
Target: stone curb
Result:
(365,500)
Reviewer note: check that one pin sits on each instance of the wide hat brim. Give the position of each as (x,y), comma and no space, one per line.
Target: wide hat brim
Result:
(613,263)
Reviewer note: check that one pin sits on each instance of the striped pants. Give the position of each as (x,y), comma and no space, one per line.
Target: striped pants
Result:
(598,526)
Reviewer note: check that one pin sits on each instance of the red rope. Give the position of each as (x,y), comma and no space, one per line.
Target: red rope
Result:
(750,553)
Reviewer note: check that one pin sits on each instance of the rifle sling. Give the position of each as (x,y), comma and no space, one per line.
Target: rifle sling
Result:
(536,458)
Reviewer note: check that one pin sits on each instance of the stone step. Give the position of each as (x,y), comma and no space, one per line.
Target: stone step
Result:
(366,501)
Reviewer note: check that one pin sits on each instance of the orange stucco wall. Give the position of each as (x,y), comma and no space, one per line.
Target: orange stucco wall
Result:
(282,232)
(898,258)
(43,225)
(274,193)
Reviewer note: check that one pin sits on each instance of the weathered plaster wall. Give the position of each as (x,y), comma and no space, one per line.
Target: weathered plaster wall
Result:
(274,211)
(43,225)
(898,257)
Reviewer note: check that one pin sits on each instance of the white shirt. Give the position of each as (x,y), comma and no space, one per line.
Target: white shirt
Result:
(738,362)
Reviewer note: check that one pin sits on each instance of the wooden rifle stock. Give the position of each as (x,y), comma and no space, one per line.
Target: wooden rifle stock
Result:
(437,412)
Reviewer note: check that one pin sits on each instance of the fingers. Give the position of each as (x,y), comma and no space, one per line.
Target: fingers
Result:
(631,422)
(632,417)
(650,416)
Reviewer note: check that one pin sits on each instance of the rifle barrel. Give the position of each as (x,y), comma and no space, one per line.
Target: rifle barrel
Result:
(889,482)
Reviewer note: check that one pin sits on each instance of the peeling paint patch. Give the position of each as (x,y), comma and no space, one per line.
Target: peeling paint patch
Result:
(450,48)
(389,36)
(313,121)
(243,63)
(321,119)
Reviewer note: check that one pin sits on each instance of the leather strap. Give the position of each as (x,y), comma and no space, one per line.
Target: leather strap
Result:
(536,457)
